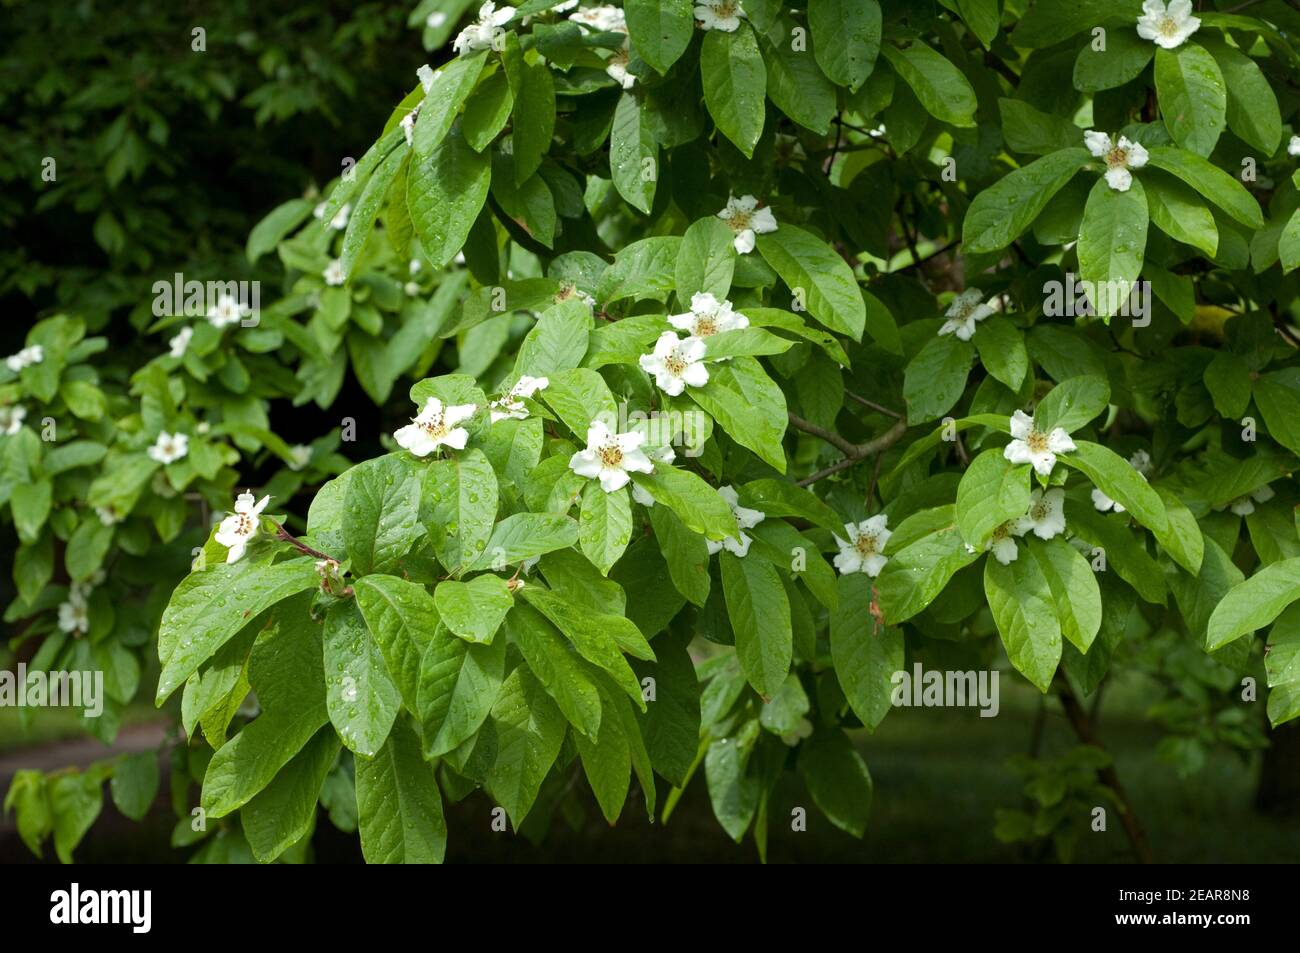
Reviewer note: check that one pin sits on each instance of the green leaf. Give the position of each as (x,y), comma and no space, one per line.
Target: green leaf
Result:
(1193,97)
(706,260)
(278,223)
(782,498)
(670,724)
(1025,612)
(399,808)
(1115,477)
(1032,131)
(209,607)
(838,780)
(814,272)
(528,731)
(918,572)
(865,653)
(605,525)
(461,496)
(534,112)
(936,378)
(452,85)
(1122,59)
(685,552)
(402,617)
(735,85)
(1179,212)
(287,672)
(846,39)
(1182,539)
(487,110)
(660,30)
(1072,403)
(458,684)
(561,672)
(696,504)
(945,93)
(578,397)
(1288,244)
(135,784)
(1000,213)
(1254,603)
(444,193)
(1073,587)
(633,154)
(359,693)
(473,610)
(1253,113)
(607,760)
(1112,244)
(283,813)
(760,615)
(794,83)
(1210,181)
(381,513)
(1277,394)
(361,221)
(991,492)
(525,535)
(1002,351)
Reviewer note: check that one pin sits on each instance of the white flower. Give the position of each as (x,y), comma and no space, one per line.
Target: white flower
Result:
(427,75)
(800,732)
(478,36)
(1031,445)
(202,427)
(1141,462)
(408,125)
(435,426)
(862,552)
(340,219)
(746,219)
(25,358)
(333,273)
(745,519)
(238,529)
(74,616)
(616,68)
(435,19)
(1293,147)
(411,288)
(610,457)
(1168,26)
(415,266)
(11,419)
(108,515)
(510,404)
(675,363)
(724,15)
(1046,516)
(226,311)
(169,447)
(1245,505)
(301,454)
(1120,157)
(319,210)
(1002,544)
(966,310)
(1103,502)
(179,343)
(708,316)
(604,19)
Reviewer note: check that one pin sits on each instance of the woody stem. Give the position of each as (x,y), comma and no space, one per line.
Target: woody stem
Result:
(286,536)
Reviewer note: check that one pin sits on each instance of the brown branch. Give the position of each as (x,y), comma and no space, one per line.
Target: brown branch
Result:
(846,447)
(859,451)
(1083,728)
(298,544)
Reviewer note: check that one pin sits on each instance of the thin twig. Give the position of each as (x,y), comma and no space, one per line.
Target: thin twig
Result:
(861,452)
(846,447)
(879,408)
(294,541)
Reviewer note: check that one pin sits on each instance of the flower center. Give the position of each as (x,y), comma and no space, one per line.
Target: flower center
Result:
(1037,441)
(705,325)
(435,428)
(865,545)
(1039,512)
(1117,158)
(1001,532)
(610,455)
(1169,26)
(739,220)
(674,363)
(725,8)
(244,525)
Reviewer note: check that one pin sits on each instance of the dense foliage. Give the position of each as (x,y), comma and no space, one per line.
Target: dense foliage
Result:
(731,358)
